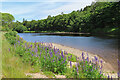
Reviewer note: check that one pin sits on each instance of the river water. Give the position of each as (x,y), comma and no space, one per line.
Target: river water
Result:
(104,46)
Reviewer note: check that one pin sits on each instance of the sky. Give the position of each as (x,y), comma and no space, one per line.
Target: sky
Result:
(40,9)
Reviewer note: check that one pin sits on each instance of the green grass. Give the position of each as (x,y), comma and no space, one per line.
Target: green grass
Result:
(0,54)
(41,31)
(73,59)
(29,31)
(12,66)
(35,69)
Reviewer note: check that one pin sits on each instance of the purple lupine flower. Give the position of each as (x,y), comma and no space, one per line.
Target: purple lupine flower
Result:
(98,61)
(83,66)
(9,49)
(95,68)
(59,57)
(111,77)
(66,53)
(93,61)
(22,45)
(50,54)
(76,65)
(92,69)
(45,49)
(83,56)
(118,74)
(53,60)
(55,52)
(51,44)
(69,57)
(54,49)
(100,72)
(26,44)
(31,46)
(64,59)
(35,44)
(101,66)
(40,53)
(70,64)
(77,69)
(96,58)
(36,50)
(90,61)
(118,64)
(32,54)
(19,42)
(108,76)
(87,59)
(101,61)
(62,54)
(37,55)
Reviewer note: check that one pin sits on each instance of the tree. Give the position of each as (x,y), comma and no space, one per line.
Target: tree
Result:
(20,28)
(7,18)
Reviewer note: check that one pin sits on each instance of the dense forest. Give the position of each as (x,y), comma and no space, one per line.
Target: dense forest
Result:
(99,17)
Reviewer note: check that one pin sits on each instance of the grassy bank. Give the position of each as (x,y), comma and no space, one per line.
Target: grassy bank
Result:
(0,54)
(41,32)
(97,31)
(12,65)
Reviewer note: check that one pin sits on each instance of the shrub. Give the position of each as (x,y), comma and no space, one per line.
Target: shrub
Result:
(20,28)
(11,36)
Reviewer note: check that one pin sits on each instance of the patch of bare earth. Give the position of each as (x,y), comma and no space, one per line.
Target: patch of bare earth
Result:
(36,75)
(60,76)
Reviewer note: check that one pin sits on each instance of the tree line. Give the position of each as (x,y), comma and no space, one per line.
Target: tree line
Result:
(102,17)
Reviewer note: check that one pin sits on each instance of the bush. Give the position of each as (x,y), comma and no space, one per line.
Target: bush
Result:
(11,36)
(20,28)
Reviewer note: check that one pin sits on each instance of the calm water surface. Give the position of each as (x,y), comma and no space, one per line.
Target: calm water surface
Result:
(105,47)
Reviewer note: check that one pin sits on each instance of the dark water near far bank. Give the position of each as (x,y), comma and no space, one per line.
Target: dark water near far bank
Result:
(104,46)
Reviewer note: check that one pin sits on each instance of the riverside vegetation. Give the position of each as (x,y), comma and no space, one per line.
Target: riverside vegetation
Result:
(99,17)
(54,60)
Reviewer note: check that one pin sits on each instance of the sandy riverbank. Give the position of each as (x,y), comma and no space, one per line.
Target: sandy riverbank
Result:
(107,67)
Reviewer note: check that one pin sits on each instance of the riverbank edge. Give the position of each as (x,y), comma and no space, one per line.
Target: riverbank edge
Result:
(107,67)
(56,32)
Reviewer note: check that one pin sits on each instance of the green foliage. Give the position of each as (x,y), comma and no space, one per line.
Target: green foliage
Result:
(84,69)
(73,57)
(12,66)
(11,36)
(41,55)
(7,18)
(20,28)
(6,21)
(97,16)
